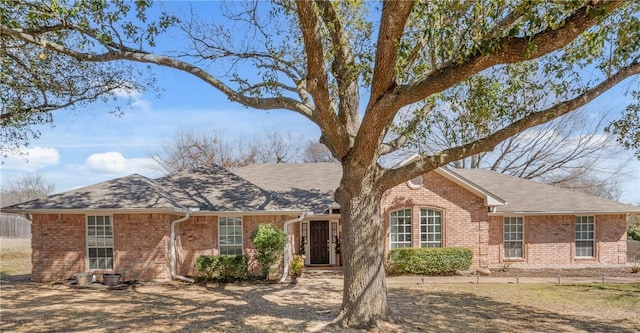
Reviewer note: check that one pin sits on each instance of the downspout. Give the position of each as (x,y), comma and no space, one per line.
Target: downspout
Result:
(172,249)
(285,271)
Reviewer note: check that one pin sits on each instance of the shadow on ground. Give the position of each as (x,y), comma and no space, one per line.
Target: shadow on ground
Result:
(312,303)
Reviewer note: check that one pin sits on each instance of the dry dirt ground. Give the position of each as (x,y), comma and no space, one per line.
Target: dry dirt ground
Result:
(451,304)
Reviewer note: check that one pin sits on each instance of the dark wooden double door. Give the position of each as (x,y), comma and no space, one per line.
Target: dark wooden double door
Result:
(319,243)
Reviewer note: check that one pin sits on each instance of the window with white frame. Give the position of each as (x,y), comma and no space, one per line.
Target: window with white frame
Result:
(513,237)
(400,228)
(100,242)
(230,235)
(585,227)
(430,228)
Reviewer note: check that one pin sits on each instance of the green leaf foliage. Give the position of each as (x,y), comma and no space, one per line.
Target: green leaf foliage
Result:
(269,245)
(429,261)
(222,268)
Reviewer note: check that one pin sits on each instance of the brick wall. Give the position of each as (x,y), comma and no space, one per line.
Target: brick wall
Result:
(58,244)
(550,240)
(464,213)
(141,244)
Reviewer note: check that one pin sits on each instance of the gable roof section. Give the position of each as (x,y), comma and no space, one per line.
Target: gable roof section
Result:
(490,199)
(215,189)
(212,189)
(308,186)
(524,196)
(133,192)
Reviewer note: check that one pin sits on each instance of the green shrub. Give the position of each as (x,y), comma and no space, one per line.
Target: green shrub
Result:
(297,266)
(429,261)
(634,232)
(222,268)
(269,244)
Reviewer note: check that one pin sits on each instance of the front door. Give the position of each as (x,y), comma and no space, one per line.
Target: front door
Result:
(319,244)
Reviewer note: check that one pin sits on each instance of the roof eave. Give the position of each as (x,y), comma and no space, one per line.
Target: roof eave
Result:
(567,212)
(89,210)
(490,199)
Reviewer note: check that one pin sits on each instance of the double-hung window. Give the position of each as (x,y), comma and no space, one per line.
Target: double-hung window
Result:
(400,228)
(585,228)
(100,242)
(230,235)
(430,228)
(513,237)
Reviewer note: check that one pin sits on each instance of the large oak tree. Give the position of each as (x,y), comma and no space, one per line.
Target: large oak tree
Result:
(373,76)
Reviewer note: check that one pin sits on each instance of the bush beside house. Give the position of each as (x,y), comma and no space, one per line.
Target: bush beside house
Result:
(269,245)
(222,268)
(429,261)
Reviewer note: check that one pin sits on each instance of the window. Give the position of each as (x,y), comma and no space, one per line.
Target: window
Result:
(415,183)
(430,228)
(400,228)
(584,236)
(512,236)
(230,232)
(100,242)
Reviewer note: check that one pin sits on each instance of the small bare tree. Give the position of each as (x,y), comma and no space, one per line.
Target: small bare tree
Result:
(317,152)
(570,152)
(187,150)
(276,146)
(25,188)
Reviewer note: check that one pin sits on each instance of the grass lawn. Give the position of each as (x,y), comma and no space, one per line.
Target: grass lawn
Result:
(308,306)
(520,307)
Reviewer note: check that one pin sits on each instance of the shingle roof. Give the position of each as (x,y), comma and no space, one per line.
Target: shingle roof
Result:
(216,189)
(527,196)
(130,192)
(211,189)
(286,187)
(308,186)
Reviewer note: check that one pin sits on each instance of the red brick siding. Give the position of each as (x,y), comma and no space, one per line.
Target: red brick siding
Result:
(550,240)
(58,244)
(464,213)
(141,244)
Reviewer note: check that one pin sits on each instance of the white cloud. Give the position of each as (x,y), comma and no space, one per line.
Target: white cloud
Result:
(134,96)
(126,92)
(143,104)
(114,163)
(32,159)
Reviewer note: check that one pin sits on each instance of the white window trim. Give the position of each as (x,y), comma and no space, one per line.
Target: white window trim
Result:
(405,242)
(220,218)
(88,247)
(504,241)
(441,242)
(592,240)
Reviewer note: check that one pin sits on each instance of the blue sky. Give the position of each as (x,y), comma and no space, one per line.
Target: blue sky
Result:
(89,146)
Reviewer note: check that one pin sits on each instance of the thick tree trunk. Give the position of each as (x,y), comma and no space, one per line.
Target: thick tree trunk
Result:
(364,302)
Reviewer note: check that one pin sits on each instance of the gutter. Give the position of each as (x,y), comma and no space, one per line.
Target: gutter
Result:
(285,271)
(172,248)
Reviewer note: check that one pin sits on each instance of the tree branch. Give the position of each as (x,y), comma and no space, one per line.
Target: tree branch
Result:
(334,134)
(395,144)
(377,115)
(254,102)
(506,50)
(421,165)
(343,68)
